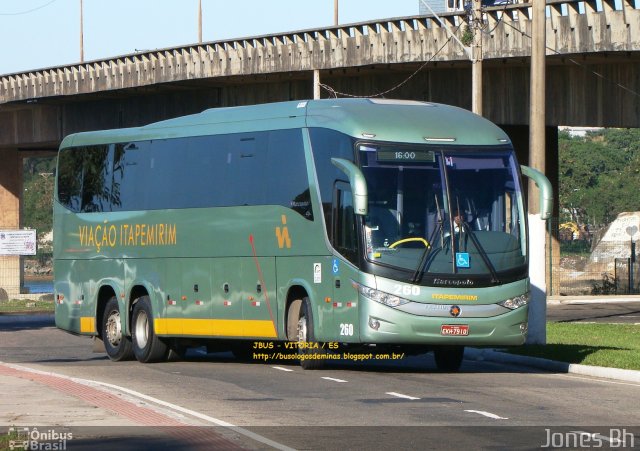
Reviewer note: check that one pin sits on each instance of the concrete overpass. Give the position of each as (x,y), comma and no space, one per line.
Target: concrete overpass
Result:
(592,71)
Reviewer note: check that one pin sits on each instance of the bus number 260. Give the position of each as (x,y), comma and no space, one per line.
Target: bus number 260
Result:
(346,329)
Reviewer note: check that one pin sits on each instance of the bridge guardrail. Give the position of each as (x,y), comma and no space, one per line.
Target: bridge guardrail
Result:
(572,27)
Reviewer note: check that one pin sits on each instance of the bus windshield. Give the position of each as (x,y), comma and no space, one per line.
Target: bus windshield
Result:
(440,212)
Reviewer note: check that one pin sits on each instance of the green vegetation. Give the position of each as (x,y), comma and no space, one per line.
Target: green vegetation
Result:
(608,345)
(575,248)
(38,194)
(598,176)
(6,438)
(24,306)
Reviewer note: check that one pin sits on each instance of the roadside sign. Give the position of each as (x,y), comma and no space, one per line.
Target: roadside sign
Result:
(17,242)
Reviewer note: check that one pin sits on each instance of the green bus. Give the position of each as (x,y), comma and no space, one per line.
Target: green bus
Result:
(362,223)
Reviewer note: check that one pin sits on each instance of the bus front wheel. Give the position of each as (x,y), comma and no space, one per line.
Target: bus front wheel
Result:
(147,346)
(311,358)
(117,345)
(449,358)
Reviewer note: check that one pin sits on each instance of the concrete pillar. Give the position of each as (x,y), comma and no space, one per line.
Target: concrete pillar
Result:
(539,239)
(10,186)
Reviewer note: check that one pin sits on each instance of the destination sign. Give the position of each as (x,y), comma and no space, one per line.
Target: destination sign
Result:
(406,155)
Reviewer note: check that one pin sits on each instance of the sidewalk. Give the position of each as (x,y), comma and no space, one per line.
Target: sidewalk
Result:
(60,409)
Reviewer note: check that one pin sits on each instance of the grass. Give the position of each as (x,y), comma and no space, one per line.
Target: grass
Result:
(608,345)
(24,306)
(6,438)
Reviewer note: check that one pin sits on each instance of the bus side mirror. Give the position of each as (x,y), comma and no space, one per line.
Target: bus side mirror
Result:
(358,184)
(544,185)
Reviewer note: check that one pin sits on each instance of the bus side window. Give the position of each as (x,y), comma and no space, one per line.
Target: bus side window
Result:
(327,144)
(96,183)
(70,178)
(287,183)
(345,238)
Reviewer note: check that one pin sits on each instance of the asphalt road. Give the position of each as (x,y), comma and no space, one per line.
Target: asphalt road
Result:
(586,311)
(390,404)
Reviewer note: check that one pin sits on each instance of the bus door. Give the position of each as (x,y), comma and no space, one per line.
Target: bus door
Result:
(343,268)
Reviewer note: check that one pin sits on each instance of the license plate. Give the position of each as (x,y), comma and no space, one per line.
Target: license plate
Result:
(454,329)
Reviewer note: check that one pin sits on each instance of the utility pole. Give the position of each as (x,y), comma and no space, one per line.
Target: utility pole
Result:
(200,21)
(316,84)
(476,62)
(335,12)
(81,33)
(537,150)
(537,100)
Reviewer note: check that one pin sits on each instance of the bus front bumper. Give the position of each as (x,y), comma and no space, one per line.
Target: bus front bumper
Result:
(382,324)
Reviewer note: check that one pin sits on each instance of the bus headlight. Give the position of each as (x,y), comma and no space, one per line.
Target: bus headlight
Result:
(390,300)
(516,302)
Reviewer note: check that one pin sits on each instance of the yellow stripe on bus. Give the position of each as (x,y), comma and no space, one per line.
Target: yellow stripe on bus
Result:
(214,327)
(87,325)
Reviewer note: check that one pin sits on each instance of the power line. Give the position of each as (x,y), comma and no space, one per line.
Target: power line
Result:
(335,93)
(577,63)
(29,10)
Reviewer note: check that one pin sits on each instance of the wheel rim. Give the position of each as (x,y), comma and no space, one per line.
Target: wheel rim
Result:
(302,329)
(142,329)
(113,330)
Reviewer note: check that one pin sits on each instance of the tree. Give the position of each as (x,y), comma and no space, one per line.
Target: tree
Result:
(598,175)
(37,202)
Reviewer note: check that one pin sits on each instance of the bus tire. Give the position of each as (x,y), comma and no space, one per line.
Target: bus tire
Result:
(306,339)
(449,358)
(117,345)
(147,346)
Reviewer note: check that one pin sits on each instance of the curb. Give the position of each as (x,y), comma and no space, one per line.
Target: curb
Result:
(492,355)
(564,300)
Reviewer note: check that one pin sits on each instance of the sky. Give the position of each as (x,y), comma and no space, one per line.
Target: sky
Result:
(36,34)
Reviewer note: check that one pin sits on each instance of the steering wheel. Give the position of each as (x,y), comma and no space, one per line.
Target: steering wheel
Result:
(409,240)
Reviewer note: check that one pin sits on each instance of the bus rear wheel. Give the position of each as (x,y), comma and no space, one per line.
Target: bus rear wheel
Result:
(449,358)
(117,345)
(147,346)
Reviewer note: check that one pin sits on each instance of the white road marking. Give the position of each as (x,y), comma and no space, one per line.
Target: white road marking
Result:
(281,369)
(487,414)
(193,413)
(333,379)
(400,395)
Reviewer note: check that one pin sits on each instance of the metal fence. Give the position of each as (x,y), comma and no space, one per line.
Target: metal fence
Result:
(587,266)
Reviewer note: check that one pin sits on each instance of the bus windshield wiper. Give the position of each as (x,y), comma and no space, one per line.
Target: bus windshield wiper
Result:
(464,225)
(422,266)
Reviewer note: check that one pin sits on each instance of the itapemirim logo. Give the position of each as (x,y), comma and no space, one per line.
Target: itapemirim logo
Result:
(31,438)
